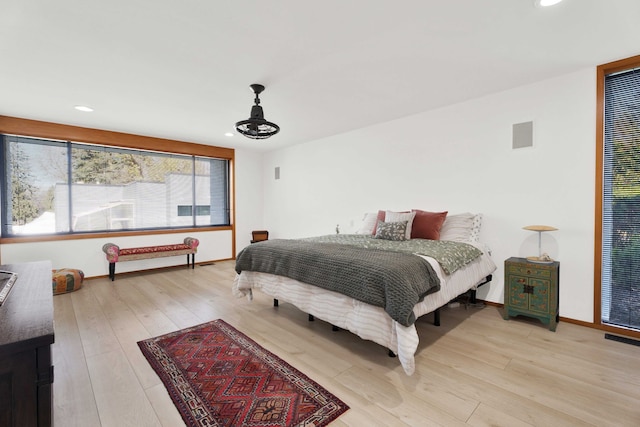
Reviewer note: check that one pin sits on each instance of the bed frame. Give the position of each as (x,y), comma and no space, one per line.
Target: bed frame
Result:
(436,312)
(367,321)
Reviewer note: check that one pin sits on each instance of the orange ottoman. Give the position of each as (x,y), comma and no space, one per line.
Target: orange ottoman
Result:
(66,280)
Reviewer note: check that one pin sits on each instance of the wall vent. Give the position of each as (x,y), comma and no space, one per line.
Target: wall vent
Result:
(522,135)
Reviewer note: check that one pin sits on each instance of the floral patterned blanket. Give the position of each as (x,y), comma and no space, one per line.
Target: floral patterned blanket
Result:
(450,255)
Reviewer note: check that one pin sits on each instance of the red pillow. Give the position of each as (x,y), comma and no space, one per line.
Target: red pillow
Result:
(381,215)
(427,225)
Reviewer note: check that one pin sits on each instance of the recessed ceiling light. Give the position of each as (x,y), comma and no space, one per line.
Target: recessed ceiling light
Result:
(545,3)
(83,108)
(228,134)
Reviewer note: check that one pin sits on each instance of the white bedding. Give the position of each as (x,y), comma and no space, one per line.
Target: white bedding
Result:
(367,321)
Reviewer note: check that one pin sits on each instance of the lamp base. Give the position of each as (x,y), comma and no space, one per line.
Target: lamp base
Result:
(540,260)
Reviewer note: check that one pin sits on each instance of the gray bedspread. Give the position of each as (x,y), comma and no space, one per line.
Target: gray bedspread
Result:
(395,281)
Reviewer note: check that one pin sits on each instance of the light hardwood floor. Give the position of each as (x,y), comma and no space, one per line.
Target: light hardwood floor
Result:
(475,370)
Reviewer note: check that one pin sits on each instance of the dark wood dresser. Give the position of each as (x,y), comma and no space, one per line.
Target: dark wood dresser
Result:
(26,335)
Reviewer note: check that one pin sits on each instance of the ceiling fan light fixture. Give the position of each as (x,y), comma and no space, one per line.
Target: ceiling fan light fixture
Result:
(256,127)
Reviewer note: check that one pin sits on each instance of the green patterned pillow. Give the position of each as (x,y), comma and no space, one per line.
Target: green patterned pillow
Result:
(391,230)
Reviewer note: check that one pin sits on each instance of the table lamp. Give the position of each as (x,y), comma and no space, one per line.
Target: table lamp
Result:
(541,258)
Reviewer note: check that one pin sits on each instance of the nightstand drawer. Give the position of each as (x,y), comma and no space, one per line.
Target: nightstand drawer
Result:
(528,271)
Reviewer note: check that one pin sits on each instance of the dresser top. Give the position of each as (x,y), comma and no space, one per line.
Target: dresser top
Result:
(26,316)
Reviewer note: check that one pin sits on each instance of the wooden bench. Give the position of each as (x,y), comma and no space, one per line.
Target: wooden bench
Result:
(115,253)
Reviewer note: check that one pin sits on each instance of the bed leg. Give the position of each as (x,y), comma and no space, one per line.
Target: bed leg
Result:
(436,317)
(275,302)
(472,297)
(311,318)
(391,354)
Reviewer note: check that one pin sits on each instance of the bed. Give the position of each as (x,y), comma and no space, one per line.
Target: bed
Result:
(396,332)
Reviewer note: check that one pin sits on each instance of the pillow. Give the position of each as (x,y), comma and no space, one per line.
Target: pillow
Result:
(380,217)
(475,228)
(427,225)
(368,225)
(401,216)
(391,230)
(463,227)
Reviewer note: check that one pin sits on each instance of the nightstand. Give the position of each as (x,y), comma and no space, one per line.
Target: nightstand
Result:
(531,289)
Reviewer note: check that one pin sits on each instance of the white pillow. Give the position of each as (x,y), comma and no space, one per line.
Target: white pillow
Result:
(390,216)
(368,223)
(464,227)
(475,229)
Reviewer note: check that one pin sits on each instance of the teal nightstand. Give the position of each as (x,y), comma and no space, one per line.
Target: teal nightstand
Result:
(531,289)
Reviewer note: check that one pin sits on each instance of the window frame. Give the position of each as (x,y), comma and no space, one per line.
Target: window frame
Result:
(90,136)
(601,72)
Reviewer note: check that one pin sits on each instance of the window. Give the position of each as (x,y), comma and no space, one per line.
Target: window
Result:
(52,187)
(618,215)
(184,210)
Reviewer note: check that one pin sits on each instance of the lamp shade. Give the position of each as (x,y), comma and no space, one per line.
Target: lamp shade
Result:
(541,258)
(539,228)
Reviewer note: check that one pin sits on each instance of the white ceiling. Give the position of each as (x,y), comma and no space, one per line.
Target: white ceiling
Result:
(181,69)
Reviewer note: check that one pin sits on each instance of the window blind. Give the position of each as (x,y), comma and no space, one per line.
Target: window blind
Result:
(621,201)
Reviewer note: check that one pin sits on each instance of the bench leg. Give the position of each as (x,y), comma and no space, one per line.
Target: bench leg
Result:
(112,271)
(191,262)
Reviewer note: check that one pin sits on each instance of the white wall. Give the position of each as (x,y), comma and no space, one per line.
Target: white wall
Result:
(249,196)
(87,255)
(459,159)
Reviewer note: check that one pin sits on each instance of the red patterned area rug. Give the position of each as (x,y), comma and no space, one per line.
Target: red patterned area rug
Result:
(217,376)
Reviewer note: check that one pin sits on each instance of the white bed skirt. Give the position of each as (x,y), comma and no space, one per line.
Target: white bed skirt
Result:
(367,321)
